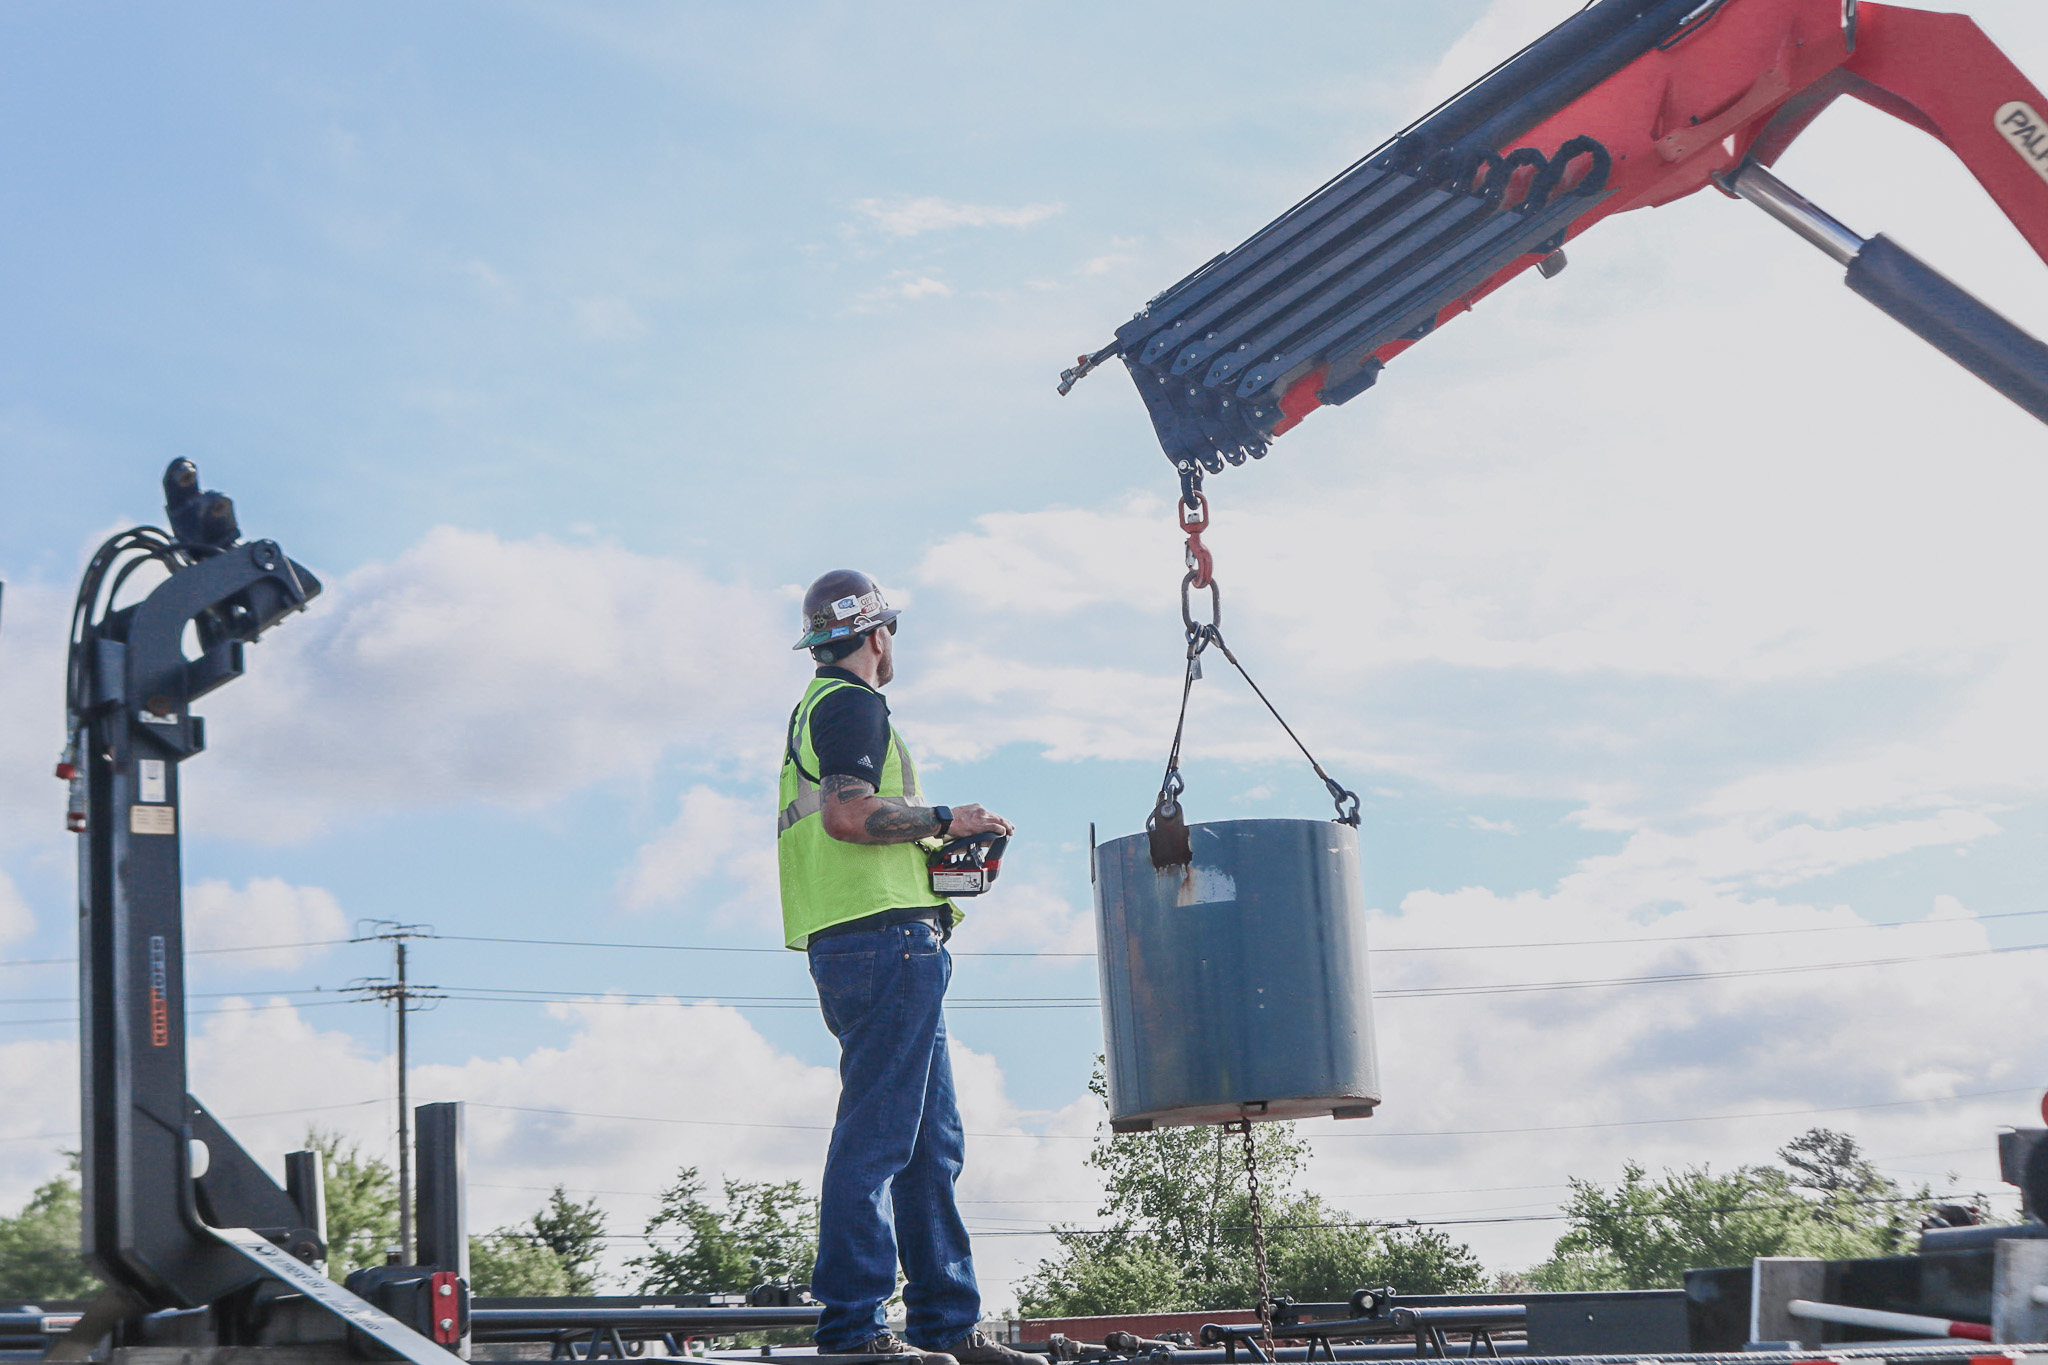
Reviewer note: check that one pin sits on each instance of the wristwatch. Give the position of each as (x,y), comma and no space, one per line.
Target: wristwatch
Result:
(944,815)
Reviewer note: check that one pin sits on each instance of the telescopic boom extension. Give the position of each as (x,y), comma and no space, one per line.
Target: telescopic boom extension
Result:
(1627,104)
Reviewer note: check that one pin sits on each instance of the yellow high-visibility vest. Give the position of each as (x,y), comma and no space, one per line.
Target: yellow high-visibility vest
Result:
(824,880)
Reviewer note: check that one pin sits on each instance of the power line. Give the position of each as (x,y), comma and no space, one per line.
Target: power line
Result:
(1525,987)
(1439,1133)
(277,1005)
(1696,1118)
(1418,948)
(263,1114)
(565,995)
(192,952)
(1426,948)
(690,947)
(515,996)
(735,1123)
(1729,933)
(1557,1217)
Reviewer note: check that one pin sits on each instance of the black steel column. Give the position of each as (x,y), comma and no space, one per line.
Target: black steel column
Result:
(443,1226)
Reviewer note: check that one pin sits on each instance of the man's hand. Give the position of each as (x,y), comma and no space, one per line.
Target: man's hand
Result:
(853,814)
(975,820)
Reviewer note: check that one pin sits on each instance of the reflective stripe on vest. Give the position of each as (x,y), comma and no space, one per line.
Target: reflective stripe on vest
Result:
(810,798)
(826,881)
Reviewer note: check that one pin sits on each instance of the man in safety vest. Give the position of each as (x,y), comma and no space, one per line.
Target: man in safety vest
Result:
(856,895)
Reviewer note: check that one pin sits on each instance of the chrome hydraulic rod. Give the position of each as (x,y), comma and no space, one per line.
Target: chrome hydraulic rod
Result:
(1942,313)
(1796,211)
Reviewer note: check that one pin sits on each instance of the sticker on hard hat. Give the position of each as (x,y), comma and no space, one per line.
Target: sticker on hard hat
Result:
(845,607)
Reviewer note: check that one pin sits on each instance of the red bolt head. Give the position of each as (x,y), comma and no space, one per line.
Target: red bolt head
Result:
(75,821)
(67,771)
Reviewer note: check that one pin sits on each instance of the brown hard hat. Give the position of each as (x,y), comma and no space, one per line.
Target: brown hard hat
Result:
(840,604)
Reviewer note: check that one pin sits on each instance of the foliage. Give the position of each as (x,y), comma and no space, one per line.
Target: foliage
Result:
(1645,1234)
(1853,1196)
(39,1246)
(555,1253)
(362,1203)
(574,1234)
(511,1265)
(1174,1233)
(766,1231)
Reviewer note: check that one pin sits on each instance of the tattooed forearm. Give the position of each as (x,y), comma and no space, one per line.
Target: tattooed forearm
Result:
(844,789)
(854,814)
(900,824)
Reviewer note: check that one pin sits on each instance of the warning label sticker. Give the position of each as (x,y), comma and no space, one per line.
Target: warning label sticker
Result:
(2019,124)
(152,819)
(150,779)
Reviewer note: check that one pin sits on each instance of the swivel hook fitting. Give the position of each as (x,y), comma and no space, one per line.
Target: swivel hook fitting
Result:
(1194,519)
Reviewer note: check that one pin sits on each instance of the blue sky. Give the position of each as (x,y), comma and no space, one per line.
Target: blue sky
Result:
(1680,595)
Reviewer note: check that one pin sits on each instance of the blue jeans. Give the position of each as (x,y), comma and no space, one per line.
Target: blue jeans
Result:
(897,1146)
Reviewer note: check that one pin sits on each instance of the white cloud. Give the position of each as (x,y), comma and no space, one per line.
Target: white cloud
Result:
(43,1122)
(1504,28)
(1062,560)
(267,910)
(648,1061)
(904,286)
(472,668)
(910,217)
(16,919)
(1023,916)
(712,835)
(32,637)
(1739,1044)
(970,701)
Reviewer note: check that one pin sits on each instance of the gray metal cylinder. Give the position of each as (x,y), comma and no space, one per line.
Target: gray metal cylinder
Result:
(1236,986)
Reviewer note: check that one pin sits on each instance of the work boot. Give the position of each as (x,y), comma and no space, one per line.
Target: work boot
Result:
(888,1344)
(978,1348)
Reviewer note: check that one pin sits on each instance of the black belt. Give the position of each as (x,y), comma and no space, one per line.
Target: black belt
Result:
(939,917)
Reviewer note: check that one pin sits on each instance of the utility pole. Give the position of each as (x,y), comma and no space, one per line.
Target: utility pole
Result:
(401,993)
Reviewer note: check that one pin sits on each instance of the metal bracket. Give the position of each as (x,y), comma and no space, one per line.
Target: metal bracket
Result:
(366,1318)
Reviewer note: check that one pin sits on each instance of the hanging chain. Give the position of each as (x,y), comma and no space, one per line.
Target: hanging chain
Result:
(1166,827)
(1251,1180)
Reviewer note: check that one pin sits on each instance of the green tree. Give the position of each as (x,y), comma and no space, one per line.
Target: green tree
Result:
(362,1204)
(1645,1234)
(1853,1196)
(555,1253)
(765,1231)
(509,1264)
(574,1234)
(1174,1233)
(39,1246)
(1318,1257)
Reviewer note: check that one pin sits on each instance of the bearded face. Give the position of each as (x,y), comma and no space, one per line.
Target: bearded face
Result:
(885,657)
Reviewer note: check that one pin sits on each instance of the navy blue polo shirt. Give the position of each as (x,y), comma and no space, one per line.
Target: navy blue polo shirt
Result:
(850,729)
